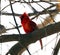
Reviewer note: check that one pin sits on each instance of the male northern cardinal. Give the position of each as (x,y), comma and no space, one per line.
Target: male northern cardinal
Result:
(28,25)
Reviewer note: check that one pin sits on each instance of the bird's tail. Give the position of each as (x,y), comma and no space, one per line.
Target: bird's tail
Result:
(41,44)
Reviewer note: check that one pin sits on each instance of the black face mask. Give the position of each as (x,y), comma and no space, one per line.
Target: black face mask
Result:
(22,17)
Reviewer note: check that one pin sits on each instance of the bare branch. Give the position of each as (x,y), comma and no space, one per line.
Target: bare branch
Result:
(7,6)
(51,29)
(30,38)
(31,14)
(56,49)
(25,2)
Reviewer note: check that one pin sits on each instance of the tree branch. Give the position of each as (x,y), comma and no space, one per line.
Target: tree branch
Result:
(31,37)
(56,49)
(25,2)
(40,33)
(31,14)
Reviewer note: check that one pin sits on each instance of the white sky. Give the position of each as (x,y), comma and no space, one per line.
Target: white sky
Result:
(34,48)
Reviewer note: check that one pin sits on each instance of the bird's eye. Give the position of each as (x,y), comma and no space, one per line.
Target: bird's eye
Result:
(22,17)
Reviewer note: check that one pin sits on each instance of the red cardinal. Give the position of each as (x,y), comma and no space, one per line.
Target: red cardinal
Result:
(28,25)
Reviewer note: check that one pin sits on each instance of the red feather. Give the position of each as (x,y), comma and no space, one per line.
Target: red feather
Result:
(28,25)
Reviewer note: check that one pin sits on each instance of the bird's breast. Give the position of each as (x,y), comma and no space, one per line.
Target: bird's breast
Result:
(27,27)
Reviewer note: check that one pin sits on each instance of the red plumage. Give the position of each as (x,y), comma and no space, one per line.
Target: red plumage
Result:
(28,25)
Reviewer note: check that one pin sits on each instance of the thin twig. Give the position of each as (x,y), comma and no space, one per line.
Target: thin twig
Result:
(44,11)
(25,2)
(30,14)
(7,6)
(17,27)
(14,17)
(56,49)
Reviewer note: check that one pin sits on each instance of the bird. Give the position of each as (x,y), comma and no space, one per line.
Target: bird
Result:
(28,25)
